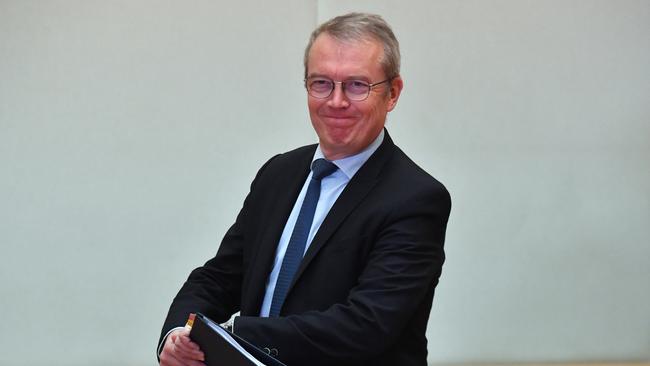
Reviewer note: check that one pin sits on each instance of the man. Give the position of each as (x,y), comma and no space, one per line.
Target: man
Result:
(372,245)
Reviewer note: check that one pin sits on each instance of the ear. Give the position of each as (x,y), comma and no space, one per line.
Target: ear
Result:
(396,86)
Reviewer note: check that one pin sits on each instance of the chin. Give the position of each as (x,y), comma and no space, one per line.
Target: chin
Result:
(339,137)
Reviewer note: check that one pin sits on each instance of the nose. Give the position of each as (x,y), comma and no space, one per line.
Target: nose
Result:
(338,99)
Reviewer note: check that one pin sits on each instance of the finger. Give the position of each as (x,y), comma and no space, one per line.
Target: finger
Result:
(177,352)
(187,342)
(168,358)
(173,357)
(189,354)
(174,335)
(194,363)
(173,361)
(185,359)
(166,355)
(187,349)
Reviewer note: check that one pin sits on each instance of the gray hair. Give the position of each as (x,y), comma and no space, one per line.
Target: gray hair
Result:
(361,27)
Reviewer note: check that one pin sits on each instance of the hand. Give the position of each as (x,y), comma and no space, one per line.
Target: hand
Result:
(179,350)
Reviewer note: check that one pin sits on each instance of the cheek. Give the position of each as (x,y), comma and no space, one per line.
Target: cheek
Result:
(313,106)
(372,114)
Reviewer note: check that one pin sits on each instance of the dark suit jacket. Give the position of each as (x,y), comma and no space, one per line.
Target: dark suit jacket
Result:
(363,292)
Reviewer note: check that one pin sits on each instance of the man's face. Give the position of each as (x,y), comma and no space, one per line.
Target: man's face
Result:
(346,127)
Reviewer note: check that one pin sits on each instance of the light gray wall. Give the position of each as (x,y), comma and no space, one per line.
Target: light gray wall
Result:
(536,115)
(129,133)
(126,134)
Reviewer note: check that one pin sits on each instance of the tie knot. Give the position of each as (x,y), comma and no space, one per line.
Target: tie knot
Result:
(321,168)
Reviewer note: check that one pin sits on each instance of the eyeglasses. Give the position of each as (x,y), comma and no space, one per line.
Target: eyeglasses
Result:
(356,90)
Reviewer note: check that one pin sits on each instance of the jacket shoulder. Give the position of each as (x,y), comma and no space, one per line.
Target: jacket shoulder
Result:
(290,158)
(403,169)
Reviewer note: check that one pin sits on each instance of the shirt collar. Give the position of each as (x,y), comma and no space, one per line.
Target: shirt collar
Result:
(351,164)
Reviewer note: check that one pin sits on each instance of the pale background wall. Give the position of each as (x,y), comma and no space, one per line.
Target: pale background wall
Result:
(125,150)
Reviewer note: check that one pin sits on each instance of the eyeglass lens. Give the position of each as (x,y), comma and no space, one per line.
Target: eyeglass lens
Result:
(322,88)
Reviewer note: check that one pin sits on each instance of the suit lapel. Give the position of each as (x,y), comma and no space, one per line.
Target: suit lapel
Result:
(353,194)
(274,221)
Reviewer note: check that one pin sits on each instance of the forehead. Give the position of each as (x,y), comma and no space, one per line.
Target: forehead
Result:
(343,59)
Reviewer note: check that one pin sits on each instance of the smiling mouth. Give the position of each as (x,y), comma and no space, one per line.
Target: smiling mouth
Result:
(339,121)
(338,117)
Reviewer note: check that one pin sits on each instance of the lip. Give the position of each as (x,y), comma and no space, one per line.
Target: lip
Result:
(338,118)
(339,121)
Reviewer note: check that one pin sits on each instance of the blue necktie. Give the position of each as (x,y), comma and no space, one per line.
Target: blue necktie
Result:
(296,248)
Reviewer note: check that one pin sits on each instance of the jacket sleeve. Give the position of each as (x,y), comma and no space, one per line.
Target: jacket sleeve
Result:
(214,289)
(401,270)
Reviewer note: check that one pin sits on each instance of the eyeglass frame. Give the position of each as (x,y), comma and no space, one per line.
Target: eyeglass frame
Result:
(343,88)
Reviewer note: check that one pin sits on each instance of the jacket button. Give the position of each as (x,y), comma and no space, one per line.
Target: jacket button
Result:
(274,352)
(267,350)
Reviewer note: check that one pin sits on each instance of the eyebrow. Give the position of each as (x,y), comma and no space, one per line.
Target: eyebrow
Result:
(352,77)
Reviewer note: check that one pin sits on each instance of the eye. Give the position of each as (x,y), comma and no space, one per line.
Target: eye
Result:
(356,86)
(321,85)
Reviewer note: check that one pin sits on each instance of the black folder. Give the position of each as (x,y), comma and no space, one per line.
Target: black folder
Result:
(218,351)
